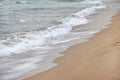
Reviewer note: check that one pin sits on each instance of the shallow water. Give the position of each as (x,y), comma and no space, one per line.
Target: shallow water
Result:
(34,32)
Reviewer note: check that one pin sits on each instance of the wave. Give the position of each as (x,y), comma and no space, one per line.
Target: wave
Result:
(25,41)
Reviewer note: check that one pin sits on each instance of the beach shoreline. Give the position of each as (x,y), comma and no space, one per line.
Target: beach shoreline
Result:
(97,59)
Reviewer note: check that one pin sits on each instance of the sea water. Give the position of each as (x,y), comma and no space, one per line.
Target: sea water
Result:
(33,33)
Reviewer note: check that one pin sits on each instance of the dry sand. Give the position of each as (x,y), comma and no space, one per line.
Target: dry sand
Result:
(97,59)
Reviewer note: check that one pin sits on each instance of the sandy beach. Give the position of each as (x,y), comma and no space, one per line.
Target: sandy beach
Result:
(97,59)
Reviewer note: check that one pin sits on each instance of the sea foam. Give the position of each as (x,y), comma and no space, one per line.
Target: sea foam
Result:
(25,41)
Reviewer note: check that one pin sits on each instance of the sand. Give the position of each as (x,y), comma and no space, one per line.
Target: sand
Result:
(97,59)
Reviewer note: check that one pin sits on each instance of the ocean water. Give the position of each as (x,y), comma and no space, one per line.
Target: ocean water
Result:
(33,33)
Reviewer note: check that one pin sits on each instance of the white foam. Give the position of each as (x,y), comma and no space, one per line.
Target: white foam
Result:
(92,2)
(22,20)
(88,11)
(21,69)
(23,42)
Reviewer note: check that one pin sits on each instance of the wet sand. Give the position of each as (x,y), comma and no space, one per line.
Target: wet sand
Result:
(97,59)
